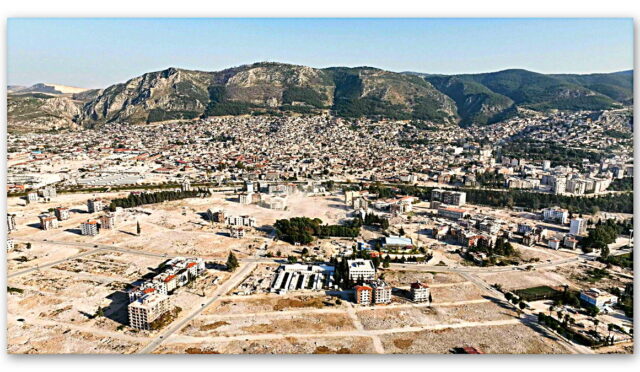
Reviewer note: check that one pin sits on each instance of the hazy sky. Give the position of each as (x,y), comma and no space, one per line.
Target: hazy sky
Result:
(96,53)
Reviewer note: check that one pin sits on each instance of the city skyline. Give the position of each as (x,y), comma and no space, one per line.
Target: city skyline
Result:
(95,53)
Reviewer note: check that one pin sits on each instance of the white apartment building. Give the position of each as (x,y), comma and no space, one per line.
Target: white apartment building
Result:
(89,228)
(48,192)
(48,222)
(144,310)
(10,245)
(381,292)
(578,226)
(95,205)
(361,269)
(32,196)
(555,214)
(62,213)
(11,222)
(241,221)
(560,185)
(420,292)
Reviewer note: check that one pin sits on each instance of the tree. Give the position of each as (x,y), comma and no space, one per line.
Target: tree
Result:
(305,252)
(522,305)
(232,262)
(401,232)
(138,230)
(430,298)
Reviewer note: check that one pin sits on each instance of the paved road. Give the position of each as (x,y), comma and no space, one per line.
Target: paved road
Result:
(229,284)
(480,270)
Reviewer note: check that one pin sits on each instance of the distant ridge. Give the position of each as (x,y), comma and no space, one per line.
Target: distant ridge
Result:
(276,88)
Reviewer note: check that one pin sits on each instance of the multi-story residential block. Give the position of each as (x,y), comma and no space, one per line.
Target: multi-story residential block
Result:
(456,198)
(453,213)
(186,185)
(555,214)
(241,221)
(578,226)
(216,215)
(48,222)
(108,221)
(95,205)
(89,227)
(364,295)
(10,245)
(381,292)
(32,196)
(420,292)
(560,185)
(11,222)
(48,192)
(146,309)
(62,213)
(361,269)
(237,232)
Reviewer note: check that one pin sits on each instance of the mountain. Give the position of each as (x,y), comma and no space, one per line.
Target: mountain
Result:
(490,97)
(269,88)
(45,88)
(37,112)
(476,104)
(277,88)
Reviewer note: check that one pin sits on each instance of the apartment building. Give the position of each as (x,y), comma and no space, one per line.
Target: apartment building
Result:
(216,215)
(10,245)
(456,198)
(452,213)
(48,222)
(381,292)
(361,269)
(420,292)
(578,226)
(108,221)
(96,205)
(146,309)
(555,214)
(89,228)
(364,295)
(48,192)
(11,222)
(237,232)
(241,221)
(62,213)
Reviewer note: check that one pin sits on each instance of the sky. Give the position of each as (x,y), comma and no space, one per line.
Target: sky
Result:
(95,53)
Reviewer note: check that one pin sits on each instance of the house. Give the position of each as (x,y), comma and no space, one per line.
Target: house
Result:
(598,298)
(570,242)
(554,243)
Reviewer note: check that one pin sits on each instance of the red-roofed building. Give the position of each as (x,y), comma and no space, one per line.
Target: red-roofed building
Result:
(364,294)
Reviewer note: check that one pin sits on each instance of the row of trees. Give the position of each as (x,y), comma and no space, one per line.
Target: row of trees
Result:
(138,199)
(302,230)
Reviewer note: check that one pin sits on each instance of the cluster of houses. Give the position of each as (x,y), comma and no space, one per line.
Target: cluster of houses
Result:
(151,299)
